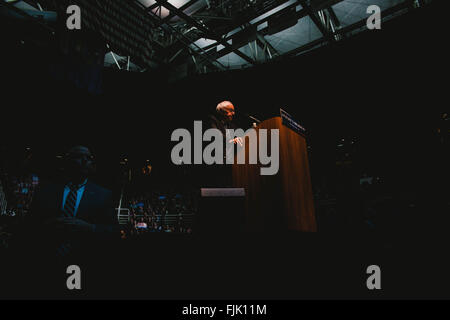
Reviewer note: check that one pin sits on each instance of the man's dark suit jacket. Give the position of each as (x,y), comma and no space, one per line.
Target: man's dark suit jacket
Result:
(96,206)
(217,123)
(218,175)
(39,244)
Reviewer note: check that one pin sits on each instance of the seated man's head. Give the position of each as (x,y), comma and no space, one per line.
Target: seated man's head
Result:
(226,110)
(79,163)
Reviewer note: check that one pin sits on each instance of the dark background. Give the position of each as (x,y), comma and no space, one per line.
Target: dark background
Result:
(386,90)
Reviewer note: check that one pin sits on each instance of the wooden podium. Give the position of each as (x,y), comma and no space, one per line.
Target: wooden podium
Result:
(283,201)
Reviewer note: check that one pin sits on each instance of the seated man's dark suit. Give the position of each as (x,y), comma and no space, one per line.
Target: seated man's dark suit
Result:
(49,250)
(96,205)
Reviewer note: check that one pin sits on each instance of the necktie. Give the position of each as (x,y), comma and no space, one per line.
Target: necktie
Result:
(71,200)
(65,247)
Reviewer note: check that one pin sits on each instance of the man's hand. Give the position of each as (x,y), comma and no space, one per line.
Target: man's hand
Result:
(237,140)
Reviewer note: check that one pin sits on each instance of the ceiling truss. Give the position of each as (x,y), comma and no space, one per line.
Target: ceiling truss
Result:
(203,32)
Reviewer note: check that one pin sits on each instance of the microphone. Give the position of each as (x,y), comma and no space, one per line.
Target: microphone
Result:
(252,118)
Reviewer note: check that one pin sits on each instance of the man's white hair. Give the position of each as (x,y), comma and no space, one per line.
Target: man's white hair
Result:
(223,105)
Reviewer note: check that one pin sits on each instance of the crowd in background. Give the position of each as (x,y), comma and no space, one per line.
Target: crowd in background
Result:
(19,191)
(171,211)
(143,212)
(16,194)
(161,212)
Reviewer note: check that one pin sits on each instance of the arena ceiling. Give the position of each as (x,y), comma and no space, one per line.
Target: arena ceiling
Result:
(226,34)
(200,36)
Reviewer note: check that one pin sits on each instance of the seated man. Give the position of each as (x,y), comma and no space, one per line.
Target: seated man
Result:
(76,209)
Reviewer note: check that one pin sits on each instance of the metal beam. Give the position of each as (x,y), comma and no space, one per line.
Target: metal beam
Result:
(188,42)
(176,55)
(11,7)
(299,15)
(392,10)
(200,16)
(313,15)
(204,29)
(334,17)
(347,29)
(271,6)
(172,14)
(267,45)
